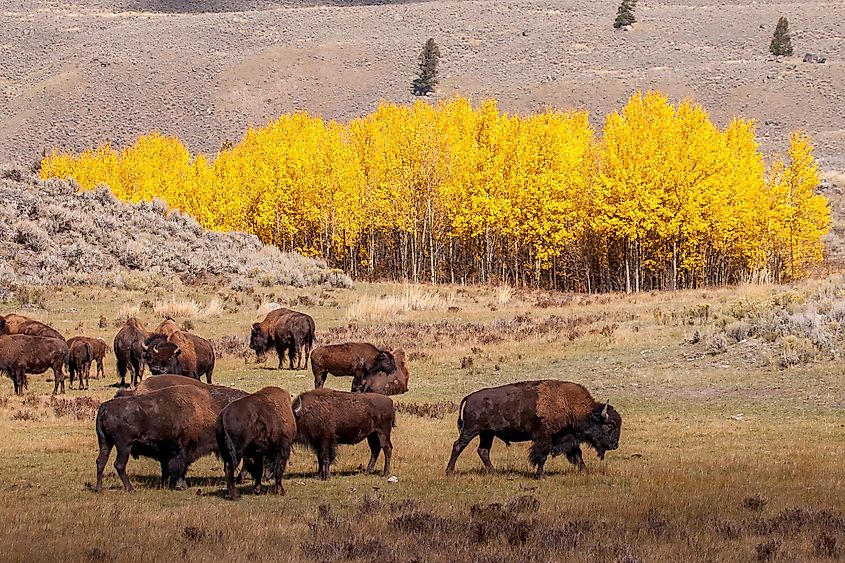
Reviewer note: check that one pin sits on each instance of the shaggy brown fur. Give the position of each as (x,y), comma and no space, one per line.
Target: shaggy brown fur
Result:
(21,354)
(79,360)
(357,360)
(167,327)
(129,351)
(174,426)
(220,394)
(394,383)
(326,418)
(182,353)
(257,427)
(19,324)
(98,349)
(290,332)
(556,416)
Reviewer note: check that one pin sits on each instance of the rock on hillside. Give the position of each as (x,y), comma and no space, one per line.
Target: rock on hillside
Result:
(52,234)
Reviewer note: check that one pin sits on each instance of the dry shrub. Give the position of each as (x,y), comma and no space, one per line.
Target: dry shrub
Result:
(767,550)
(716,343)
(182,308)
(524,503)
(504,294)
(32,400)
(127,311)
(80,408)
(755,503)
(824,545)
(439,409)
(199,535)
(795,351)
(24,414)
(231,346)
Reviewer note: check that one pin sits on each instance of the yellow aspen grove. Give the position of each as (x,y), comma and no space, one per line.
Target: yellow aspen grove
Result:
(461,193)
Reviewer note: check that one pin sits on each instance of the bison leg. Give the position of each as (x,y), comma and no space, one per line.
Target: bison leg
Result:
(58,380)
(279,470)
(320,375)
(120,466)
(325,457)
(165,472)
(178,467)
(575,458)
(102,460)
(281,352)
(538,454)
(485,442)
(460,444)
(256,470)
(100,370)
(121,370)
(387,448)
(375,449)
(293,356)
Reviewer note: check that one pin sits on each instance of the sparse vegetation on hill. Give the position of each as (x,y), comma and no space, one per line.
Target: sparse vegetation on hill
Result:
(53,234)
(452,192)
(625,14)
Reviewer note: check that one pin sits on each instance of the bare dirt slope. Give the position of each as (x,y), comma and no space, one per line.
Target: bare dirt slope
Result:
(76,74)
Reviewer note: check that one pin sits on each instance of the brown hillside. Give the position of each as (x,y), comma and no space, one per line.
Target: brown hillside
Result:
(76,74)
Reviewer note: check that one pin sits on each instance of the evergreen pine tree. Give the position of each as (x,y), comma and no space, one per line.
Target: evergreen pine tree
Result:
(781,42)
(625,14)
(427,78)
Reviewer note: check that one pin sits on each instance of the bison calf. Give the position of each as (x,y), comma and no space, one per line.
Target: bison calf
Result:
(358,360)
(394,383)
(254,428)
(174,426)
(556,416)
(326,418)
(80,356)
(98,349)
(21,354)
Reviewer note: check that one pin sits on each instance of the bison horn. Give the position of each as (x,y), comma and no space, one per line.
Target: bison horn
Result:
(144,347)
(297,406)
(604,410)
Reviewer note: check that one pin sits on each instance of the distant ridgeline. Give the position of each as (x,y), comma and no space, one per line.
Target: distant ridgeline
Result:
(661,199)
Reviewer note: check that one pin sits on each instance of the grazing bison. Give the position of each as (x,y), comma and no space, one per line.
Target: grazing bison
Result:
(556,416)
(98,349)
(19,324)
(358,360)
(394,383)
(129,351)
(21,354)
(326,418)
(289,332)
(174,426)
(257,427)
(80,356)
(182,353)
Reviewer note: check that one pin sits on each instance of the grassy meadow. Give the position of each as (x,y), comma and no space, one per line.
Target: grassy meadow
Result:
(733,406)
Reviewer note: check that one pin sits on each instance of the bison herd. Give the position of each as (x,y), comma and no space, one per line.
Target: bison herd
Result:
(176,418)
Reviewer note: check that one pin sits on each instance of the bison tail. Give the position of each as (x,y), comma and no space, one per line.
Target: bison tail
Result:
(226,446)
(461,414)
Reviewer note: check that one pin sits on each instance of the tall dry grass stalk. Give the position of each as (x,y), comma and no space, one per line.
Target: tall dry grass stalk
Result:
(504,294)
(127,311)
(188,308)
(384,307)
(264,308)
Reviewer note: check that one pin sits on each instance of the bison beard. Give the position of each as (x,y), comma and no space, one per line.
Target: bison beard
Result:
(556,416)
(326,418)
(174,425)
(257,427)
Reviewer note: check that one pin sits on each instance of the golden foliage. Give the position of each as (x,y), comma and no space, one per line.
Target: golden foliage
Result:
(454,192)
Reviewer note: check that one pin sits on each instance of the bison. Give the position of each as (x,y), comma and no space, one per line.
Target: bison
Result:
(98,349)
(358,360)
(19,324)
(181,353)
(326,418)
(394,383)
(167,327)
(556,416)
(290,332)
(257,427)
(129,351)
(21,354)
(174,426)
(220,394)
(80,356)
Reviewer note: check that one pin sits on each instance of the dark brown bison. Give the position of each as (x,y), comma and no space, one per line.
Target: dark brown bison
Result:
(98,349)
(382,383)
(556,416)
(290,332)
(357,360)
(129,351)
(19,324)
(326,418)
(181,353)
(256,428)
(21,354)
(220,394)
(174,426)
(80,356)
(167,327)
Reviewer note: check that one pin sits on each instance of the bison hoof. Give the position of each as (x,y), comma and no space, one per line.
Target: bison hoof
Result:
(279,491)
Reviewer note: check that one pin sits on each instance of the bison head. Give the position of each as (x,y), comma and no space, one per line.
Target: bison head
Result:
(602,429)
(163,358)
(259,341)
(385,362)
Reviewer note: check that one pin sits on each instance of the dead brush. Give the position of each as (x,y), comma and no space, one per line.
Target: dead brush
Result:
(230,346)
(25,415)
(439,409)
(80,408)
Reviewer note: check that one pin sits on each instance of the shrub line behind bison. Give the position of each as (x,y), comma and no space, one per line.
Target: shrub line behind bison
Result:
(256,428)
(326,418)
(556,416)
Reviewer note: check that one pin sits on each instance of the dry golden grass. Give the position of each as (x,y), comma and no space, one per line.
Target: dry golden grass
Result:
(722,457)
(387,307)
